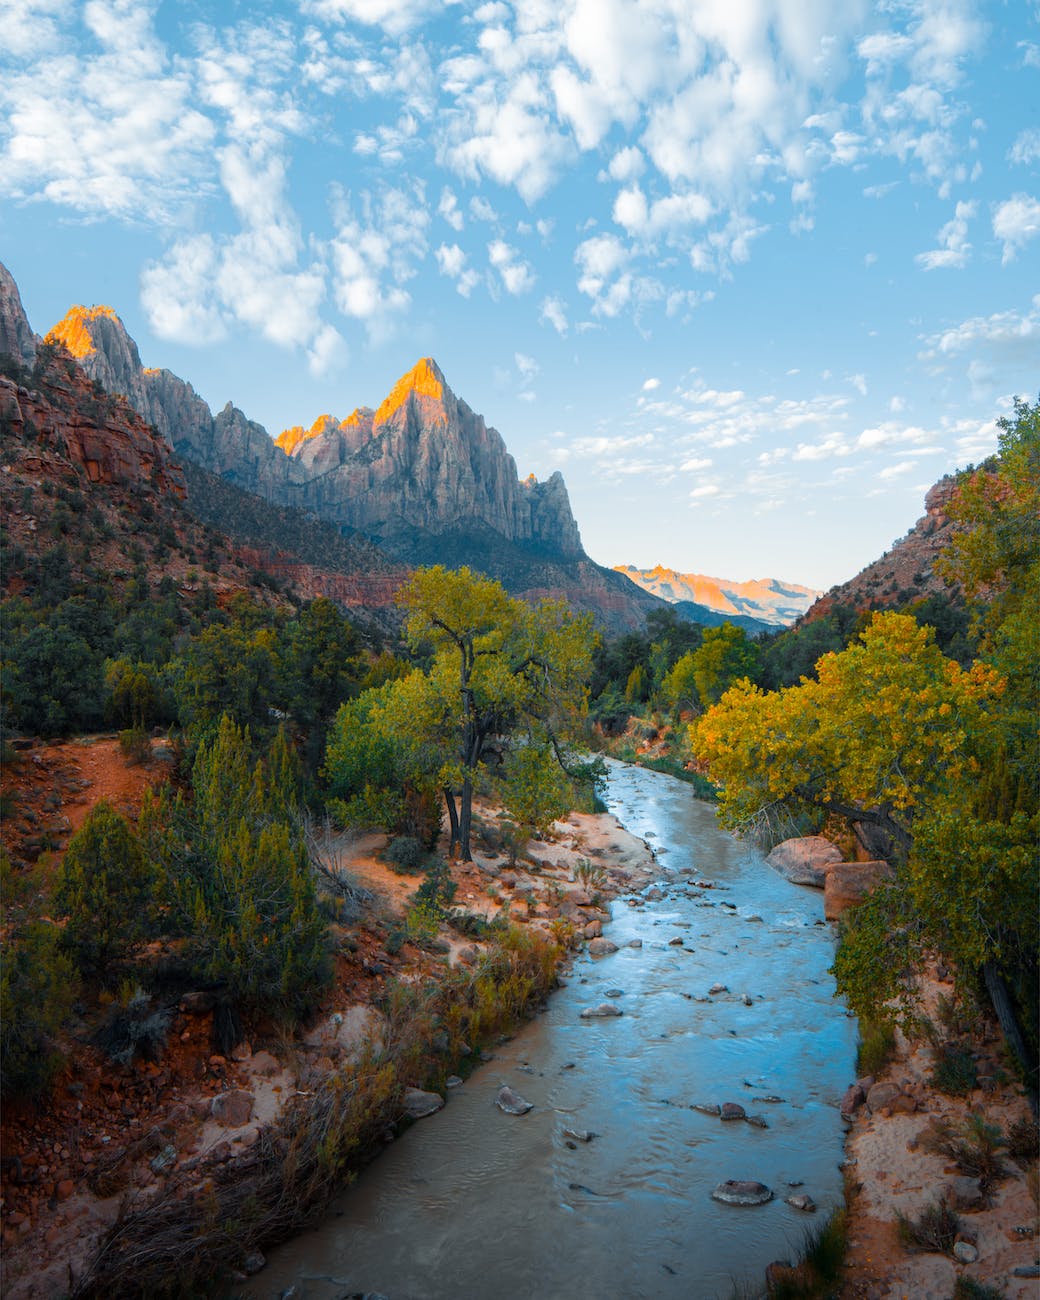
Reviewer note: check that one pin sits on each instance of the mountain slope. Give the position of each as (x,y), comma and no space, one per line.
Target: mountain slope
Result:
(421,474)
(766,601)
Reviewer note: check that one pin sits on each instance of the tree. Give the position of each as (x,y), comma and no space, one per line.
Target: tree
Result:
(238,878)
(106,888)
(502,676)
(879,736)
(724,656)
(679,686)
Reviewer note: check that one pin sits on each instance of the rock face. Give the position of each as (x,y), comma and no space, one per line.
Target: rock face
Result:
(805,860)
(768,600)
(422,474)
(848,883)
(16,336)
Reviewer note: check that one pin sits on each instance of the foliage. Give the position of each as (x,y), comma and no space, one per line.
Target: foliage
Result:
(238,877)
(405,854)
(37,990)
(1023,1139)
(106,887)
(877,1042)
(725,655)
(590,875)
(935,1229)
(536,790)
(954,1072)
(974,1147)
(502,677)
(967,1288)
(134,1028)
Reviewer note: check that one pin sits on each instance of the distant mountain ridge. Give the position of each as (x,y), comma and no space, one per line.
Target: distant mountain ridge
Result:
(764,600)
(421,474)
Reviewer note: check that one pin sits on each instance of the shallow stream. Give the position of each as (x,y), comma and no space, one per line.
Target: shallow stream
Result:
(477,1204)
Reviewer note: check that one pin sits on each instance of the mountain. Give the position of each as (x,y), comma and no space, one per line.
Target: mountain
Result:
(422,474)
(767,602)
(904,573)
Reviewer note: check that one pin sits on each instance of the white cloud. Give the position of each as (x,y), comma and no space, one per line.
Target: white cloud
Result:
(555,313)
(627,164)
(1026,149)
(1016,335)
(394,16)
(1016,221)
(515,273)
(378,242)
(893,471)
(481,210)
(954,248)
(177,296)
(649,385)
(526,365)
(448,208)
(451,261)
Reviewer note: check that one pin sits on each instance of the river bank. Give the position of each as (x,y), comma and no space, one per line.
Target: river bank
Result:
(113,1140)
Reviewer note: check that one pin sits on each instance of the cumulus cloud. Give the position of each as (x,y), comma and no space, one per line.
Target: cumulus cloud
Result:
(554,313)
(451,261)
(954,248)
(527,366)
(448,208)
(378,242)
(1016,221)
(516,275)
(394,16)
(1026,149)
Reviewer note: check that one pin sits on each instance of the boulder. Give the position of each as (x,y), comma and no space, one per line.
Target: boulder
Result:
(964,1252)
(232,1108)
(602,947)
(848,883)
(805,860)
(603,1011)
(802,1201)
(742,1192)
(852,1100)
(511,1102)
(731,1110)
(881,1096)
(418,1104)
(197,1004)
(594,929)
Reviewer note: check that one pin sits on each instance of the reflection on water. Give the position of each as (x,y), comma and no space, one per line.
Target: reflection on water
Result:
(473,1203)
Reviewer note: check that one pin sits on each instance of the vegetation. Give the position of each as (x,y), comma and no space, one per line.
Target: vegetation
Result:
(934,1229)
(933,764)
(818,1270)
(502,693)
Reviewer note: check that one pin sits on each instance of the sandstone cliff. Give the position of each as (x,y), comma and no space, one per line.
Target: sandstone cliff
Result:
(16,336)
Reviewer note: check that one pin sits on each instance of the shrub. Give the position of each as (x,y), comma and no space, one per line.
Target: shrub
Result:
(134,1028)
(37,989)
(135,746)
(966,1288)
(1023,1140)
(954,1072)
(106,888)
(935,1229)
(590,875)
(877,1042)
(405,855)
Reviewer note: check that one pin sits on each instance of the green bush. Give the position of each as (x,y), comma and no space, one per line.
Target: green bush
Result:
(405,855)
(37,989)
(877,1042)
(106,888)
(134,1029)
(954,1072)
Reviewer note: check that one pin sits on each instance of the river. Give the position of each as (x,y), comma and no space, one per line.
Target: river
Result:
(479,1205)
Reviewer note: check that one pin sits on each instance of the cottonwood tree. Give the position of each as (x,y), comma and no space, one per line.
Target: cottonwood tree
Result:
(501,676)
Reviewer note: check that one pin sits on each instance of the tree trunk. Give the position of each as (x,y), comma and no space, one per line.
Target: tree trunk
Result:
(465,820)
(1005,1009)
(453,821)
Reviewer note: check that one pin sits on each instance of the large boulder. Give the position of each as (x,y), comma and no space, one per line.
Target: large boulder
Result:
(805,860)
(419,1103)
(848,883)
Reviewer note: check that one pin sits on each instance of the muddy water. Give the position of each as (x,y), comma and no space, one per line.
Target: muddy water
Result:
(477,1204)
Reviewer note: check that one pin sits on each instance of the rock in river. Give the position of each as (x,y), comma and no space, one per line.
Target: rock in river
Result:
(730,1110)
(602,947)
(604,1010)
(742,1192)
(419,1104)
(511,1102)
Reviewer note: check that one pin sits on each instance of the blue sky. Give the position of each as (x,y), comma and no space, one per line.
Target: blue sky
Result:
(751,273)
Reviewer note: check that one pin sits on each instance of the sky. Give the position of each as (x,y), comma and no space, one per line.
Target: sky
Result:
(752,274)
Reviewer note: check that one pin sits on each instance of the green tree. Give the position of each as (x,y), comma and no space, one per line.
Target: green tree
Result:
(238,879)
(679,685)
(724,656)
(105,886)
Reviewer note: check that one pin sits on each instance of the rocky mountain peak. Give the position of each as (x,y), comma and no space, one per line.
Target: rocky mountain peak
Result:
(16,336)
(423,381)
